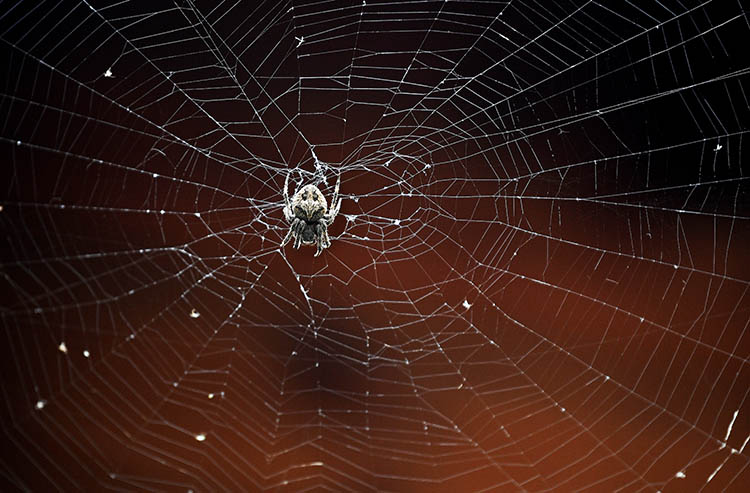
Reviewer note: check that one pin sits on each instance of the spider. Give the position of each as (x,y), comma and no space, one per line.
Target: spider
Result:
(309,216)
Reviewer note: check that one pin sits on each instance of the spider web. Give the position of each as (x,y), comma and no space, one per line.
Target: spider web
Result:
(538,279)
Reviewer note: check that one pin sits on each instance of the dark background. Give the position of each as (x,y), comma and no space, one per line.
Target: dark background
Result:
(538,279)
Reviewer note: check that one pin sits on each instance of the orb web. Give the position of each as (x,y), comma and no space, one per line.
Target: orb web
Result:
(537,280)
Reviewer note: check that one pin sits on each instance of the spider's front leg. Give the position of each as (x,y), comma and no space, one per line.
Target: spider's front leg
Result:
(335,204)
(287,204)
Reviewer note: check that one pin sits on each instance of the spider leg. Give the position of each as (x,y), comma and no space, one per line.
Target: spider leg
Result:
(326,239)
(299,226)
(292,232)
(287,204)
(335,204)
(319,238)
(287,238)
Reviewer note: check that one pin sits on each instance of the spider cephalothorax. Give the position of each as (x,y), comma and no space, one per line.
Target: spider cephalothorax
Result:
(309,216)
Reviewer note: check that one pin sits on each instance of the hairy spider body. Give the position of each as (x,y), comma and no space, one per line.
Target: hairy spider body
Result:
(309,216)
